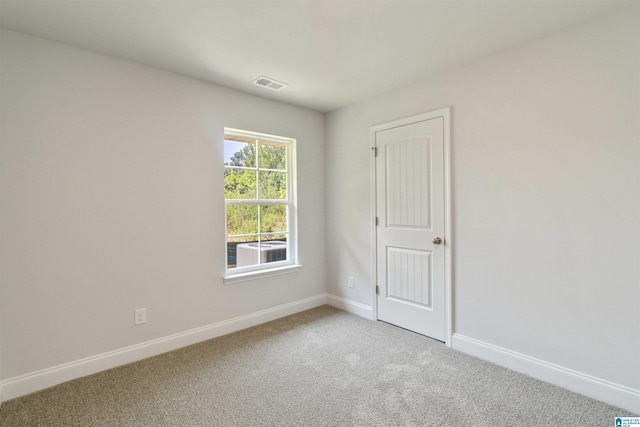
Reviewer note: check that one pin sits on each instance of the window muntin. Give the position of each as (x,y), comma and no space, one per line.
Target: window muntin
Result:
(260,201)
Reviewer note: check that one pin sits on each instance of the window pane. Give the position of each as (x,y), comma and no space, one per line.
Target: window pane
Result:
(239,184)
(246,253)
(273,219)
(242,220)
(273,185)
(276,237)
(232,251)
(273,250)
(273,156)
(239,154)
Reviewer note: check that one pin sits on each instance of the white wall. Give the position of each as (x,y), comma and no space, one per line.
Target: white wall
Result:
(545,186)
(1,214)
(112,200)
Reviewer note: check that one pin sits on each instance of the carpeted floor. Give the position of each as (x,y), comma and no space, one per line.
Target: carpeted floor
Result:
(322,367)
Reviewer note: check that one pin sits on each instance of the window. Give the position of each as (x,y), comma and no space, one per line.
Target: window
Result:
(259,192)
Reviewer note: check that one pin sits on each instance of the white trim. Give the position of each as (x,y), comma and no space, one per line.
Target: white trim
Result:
(448,230)
(597,388)
(260,274)
(374,227)
(29,383)
(350,306)
(445,113)
(258,135)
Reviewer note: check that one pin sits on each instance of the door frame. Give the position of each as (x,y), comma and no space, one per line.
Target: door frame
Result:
(445,113)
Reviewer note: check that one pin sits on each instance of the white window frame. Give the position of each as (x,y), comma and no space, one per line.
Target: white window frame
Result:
(241,274)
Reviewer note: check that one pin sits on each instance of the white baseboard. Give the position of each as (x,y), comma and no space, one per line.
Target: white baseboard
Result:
(29,383)
(350,306)
(605,391)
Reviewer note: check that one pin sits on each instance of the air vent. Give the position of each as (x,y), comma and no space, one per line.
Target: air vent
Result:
(269,83)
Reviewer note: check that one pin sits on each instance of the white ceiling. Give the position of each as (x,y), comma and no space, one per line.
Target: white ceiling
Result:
(332,53)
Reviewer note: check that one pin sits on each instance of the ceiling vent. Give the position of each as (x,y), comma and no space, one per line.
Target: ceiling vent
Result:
(269,83)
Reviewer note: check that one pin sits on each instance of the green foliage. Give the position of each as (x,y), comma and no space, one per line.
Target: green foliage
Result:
(273,185)
(242,219)
(272,157)
(273,218)
(246,157)
(245,183)
(239,184)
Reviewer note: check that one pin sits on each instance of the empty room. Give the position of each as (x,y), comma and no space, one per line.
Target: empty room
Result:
(319,212)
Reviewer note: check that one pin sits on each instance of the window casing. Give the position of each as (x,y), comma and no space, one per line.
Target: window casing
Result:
(260,204)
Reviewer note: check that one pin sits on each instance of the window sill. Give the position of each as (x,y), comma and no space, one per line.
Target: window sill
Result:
(253,275)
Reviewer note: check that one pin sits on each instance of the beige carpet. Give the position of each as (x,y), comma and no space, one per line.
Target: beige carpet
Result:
(322,367)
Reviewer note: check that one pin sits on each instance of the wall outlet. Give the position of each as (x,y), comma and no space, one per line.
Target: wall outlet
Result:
(350,283)
(140,316)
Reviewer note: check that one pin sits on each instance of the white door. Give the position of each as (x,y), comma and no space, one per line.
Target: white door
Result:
(410,235)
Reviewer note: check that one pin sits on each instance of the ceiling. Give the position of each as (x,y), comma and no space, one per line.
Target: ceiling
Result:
(332,53)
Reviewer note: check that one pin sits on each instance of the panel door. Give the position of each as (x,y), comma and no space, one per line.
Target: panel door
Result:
(410,208)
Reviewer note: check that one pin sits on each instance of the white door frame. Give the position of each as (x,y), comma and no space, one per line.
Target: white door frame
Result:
(445,113)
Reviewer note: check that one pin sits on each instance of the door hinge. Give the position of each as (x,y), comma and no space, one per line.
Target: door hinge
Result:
(377,221)
(375,151)
(377,290)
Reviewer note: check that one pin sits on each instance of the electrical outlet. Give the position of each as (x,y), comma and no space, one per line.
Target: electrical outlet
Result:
(350,284)
(140,316)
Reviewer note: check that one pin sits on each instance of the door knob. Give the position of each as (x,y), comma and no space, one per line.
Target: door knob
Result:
(437,241)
